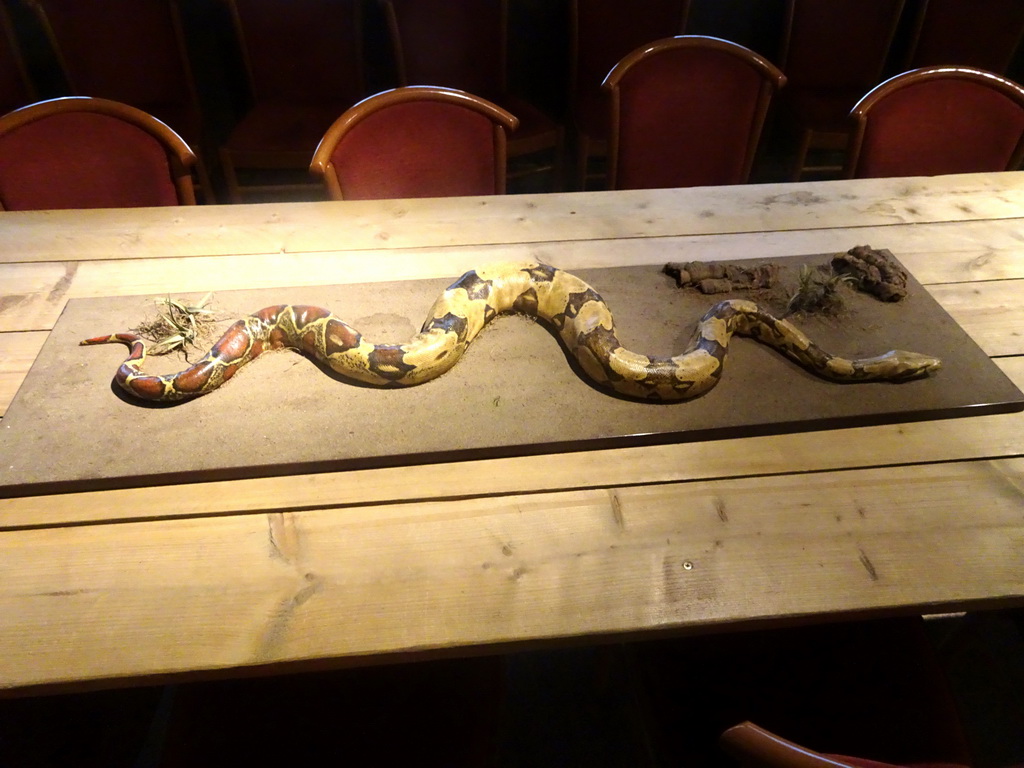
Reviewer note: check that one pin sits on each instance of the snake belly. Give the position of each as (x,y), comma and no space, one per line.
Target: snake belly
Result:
(571,307)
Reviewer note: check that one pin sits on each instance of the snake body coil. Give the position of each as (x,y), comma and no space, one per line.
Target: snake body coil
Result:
(574,309)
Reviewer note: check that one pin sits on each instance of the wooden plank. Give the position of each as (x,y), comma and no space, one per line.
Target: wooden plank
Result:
(34,294)
(934,253)
(17,353)
(400,224)
(93,602)
(991,312)
(934,441)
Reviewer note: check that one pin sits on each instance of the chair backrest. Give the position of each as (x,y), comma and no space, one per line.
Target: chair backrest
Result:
(16,88)
(131,51)
(687,111)
(415,141)
(938,120)
(81,152)
(754,747)
(603,31)
(453,43)
(839,44)
(975,33)
(306,51)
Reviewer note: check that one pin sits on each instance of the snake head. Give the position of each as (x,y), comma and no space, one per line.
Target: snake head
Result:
(909,365)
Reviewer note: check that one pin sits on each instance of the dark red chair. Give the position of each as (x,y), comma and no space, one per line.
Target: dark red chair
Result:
(975,33)
(601,33)
(938,120)
(131,51)
(754,747)
(687,111)
(304,65)
(833,53)
(463,44)
(80,152)
(16,88)
(874,689)
(417,141)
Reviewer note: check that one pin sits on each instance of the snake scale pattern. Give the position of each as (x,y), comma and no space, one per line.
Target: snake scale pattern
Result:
(569,305)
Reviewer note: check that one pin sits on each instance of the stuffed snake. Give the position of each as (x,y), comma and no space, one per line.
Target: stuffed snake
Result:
(569,305)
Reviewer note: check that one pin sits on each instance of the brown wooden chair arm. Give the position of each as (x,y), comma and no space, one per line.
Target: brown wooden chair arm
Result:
(754,747)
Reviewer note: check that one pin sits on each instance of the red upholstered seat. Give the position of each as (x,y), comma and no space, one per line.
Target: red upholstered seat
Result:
(79,152)
(938,120)
(687,111)
(417,141)
(833,53)
(304,64)
(602,32)
(462,44)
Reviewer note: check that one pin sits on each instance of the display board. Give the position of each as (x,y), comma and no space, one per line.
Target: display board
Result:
(515,391)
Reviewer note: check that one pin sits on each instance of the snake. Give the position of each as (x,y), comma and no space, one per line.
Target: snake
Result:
(567,304)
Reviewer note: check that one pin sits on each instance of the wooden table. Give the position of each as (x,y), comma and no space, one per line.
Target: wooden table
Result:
(499,553)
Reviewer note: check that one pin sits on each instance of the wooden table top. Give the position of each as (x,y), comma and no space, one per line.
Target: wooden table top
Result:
(455,557)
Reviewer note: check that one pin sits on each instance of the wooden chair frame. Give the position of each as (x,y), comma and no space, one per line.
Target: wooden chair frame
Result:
(180,156)
(296,160)
(861,112)
(519,146)
(38,8)
(772,75)
(753,746)
(322,168)
(589,146)
(811,138)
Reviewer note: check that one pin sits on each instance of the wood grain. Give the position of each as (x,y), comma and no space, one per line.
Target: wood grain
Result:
(17,353)
(35,293)
(173,596)
(222,576)
(991,312)
(401,224)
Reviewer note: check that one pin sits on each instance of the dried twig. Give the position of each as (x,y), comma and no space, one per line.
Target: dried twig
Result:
(178,326)
(815,292)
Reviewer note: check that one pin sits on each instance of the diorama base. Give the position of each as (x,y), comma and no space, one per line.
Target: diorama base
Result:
(514,392)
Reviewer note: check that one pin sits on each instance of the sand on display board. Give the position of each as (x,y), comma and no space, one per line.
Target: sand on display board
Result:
(514,392)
